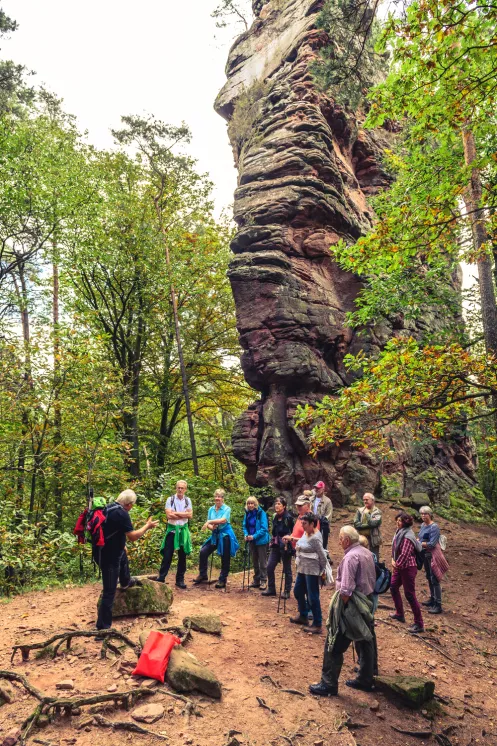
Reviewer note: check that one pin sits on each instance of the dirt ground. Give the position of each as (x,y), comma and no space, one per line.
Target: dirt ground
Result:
(257,642)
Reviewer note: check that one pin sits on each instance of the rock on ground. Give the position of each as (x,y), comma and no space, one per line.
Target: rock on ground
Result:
(149,598)
(185,673)
(7,694)
(12,737)
(148,713)
(412,690)
(210,623)
(66,684)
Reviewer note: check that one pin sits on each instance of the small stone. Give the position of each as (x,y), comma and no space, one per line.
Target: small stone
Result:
(319,743)
(112,688)
(12,737)
(7,694)
(148,713)
(65,684)
(374,706)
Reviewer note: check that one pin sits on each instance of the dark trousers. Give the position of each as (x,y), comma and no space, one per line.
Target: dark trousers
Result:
(325,531)
(112,571)
(206,552)
(167,558)
(259,561)
(276,555)
(306,591)
(433,582)
(333,661)
(406,577)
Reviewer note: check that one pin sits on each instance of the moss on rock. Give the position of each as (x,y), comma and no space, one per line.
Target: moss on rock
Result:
(185,673)
(412,690)
(209,623)
(148,598)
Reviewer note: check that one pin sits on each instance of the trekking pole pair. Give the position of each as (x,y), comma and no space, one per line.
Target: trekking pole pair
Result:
(246,567)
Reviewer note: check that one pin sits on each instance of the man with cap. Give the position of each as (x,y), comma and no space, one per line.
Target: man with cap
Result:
(323,508)
(303,505)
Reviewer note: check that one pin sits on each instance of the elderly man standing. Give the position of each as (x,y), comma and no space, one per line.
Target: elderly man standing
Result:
(367,522)
(177,538)
(350,618)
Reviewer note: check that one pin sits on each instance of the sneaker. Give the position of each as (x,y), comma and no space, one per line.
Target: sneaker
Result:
(201,579)
(430,602)
(263,585)
(220,584)
(298,619)
(435,609)
(323,691)
(357,684)
(254,585)
(398,618)
(285,595)
(268,592)
(158,579)
(416,628)
(180,584)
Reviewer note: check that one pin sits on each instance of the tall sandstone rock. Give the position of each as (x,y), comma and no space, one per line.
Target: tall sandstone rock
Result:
(305,170)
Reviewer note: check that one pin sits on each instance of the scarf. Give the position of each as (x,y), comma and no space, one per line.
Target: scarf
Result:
(400,535)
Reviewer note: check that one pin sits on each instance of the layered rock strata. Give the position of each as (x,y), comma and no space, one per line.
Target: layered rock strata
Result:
(305,172)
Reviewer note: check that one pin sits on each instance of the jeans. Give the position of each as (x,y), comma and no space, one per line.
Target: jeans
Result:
(406,577)
(167,559)
(306,591)
(206,552)
(333,660)
(433,582)
(276,554)
(113,570)
(259,561)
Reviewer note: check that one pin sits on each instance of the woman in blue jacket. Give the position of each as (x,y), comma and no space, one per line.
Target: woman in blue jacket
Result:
(255,529)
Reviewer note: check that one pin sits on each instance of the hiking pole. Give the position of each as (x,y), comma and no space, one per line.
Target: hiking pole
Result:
(281,589)
(244,566)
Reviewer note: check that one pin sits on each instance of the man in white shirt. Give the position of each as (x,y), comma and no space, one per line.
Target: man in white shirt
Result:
(177,538)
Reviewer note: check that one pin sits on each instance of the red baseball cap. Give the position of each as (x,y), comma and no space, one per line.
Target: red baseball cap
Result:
(320,485)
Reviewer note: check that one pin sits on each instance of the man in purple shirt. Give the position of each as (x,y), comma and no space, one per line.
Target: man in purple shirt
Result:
(356,573)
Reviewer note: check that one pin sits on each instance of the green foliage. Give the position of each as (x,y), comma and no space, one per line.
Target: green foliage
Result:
(245,114)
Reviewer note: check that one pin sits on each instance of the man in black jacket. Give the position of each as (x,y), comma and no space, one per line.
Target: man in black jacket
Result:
(112,557)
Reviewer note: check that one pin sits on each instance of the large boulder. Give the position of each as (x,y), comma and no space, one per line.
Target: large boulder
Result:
(148,598)
(412,690)
(209,623)
(185,673)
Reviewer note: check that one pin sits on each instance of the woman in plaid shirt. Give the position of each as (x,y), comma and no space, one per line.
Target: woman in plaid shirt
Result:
(405,546)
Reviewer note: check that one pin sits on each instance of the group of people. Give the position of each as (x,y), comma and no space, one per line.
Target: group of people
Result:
(351,613)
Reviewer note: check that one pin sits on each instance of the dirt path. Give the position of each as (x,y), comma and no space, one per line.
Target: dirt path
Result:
(257,642)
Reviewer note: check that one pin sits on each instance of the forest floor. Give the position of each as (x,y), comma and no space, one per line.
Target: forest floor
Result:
(257,642)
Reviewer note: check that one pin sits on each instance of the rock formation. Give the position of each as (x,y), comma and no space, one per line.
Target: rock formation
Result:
(305,172)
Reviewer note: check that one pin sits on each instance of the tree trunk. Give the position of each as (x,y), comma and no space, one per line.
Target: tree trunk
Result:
(57,437)
(485,273)
(184,379)
(22,298)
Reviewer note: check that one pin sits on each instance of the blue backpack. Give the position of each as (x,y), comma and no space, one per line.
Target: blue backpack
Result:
(383,577)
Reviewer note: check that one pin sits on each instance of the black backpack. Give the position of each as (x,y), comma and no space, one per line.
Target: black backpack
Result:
(383,577)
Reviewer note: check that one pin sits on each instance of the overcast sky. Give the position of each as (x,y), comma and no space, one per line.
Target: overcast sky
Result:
(106,58)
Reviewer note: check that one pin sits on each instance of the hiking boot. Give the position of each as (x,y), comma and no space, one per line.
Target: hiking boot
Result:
(263,585)
(357,684)
(398,618)
(323,691)
(298,619)
(435,609)
(285,595)
(159,579)
(269,592)
(255,585)
(201,579)
(180,584)
(416,628)
(430,602)
(314,630)
(133,582)
(220,584)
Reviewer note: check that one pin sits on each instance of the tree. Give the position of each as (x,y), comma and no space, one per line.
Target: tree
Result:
(228,9)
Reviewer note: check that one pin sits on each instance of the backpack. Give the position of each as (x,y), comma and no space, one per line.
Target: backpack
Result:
(92,521)
(383,577)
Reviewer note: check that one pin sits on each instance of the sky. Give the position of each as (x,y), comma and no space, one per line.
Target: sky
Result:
(107,58)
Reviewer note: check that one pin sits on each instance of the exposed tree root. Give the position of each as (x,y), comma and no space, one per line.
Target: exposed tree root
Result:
(67,637)
(414,733)
(439,650)
(50,706)
(189,708)
(130,727)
